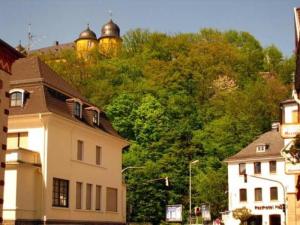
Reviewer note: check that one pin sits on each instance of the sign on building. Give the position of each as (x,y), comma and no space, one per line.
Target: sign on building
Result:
(290,130)
(174,213)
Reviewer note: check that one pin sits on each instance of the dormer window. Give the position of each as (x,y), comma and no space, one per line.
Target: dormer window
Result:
(261,147)
(93,115)
(17,97)
(96,117)
(77,109)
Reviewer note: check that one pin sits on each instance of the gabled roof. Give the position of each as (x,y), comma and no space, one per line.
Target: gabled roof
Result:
(272,138)
(47,92)
(32,69)
(54,49)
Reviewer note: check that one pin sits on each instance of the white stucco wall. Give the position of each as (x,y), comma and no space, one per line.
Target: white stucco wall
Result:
(236,182)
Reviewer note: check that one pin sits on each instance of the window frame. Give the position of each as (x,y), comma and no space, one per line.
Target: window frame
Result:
(257,170)
(98,155)
(88,196)
(79,195)
(258,195)
(108,203)
(95,118)
(273,188)
(275,166)
(98,197)
(18,99)
(62,189)
(242,171)
(80,151)
(245,194)
(77,109)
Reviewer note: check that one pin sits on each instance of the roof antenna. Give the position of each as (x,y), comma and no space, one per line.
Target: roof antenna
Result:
(110,14)
(30,37)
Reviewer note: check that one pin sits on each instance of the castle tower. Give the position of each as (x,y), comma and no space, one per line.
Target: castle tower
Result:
(110,40)
(86,42)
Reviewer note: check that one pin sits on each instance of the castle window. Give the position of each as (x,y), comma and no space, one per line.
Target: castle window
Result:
(16,97)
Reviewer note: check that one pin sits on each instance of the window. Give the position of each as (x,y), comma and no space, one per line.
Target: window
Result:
(242,168)
(261,148)
(272,165)
(273,193)
(258,194)
(79,150)
(16,99)
(96,117)
(111,199)
(98,155)
(78,195)
(77,109)
(290,113)
(98,197)
(243,195)
(88,196)
(257,168)
(60,195)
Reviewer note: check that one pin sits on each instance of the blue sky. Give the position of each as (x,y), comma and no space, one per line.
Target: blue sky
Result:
(270,21)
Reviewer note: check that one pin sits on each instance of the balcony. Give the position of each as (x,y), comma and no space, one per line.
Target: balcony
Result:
(22,156)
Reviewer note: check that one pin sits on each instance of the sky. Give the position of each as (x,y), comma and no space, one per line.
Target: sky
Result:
(270,21)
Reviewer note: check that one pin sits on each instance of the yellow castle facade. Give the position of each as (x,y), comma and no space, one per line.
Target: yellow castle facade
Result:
(108,43)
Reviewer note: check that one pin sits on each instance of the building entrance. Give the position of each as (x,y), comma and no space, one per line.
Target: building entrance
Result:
(255,220)
(275,220)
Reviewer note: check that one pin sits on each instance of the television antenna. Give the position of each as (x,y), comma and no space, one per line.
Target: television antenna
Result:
(33,39)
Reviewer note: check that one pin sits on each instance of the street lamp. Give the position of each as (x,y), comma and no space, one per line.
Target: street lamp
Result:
(190,188)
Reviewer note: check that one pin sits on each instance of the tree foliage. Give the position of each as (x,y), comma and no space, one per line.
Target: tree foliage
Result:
(182,97)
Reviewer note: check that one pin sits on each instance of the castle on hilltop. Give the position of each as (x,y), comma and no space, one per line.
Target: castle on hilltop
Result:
(108,43)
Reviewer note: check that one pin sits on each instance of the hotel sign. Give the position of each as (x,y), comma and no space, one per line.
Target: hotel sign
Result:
(292,168)
(6,62)
(289,130)
(269,207)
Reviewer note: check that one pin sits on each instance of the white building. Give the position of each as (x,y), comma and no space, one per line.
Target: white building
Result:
(262,162)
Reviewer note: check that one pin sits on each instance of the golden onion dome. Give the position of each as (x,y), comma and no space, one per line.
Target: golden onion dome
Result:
(110,30)
(87,34)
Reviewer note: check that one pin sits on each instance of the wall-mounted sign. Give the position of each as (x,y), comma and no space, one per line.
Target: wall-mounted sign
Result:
(289,130)
(292,168)
(174,213)
(205,211)
(268,207)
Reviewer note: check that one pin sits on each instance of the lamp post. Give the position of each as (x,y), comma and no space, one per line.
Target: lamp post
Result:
(190,188)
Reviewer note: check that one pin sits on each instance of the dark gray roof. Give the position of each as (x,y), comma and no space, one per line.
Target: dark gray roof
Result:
(272,138)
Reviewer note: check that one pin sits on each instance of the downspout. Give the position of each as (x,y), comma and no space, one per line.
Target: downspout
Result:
(43,171)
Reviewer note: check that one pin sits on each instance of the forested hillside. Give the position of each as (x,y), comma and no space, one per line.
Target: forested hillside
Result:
(178,98)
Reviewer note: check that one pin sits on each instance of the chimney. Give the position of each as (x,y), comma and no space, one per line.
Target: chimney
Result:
(275,126)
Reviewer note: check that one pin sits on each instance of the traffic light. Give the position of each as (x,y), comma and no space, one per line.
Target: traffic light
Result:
(283,208)
(245,177)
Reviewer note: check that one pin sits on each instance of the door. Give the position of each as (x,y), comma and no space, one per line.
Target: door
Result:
(275,220)
(255,220)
